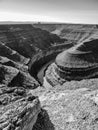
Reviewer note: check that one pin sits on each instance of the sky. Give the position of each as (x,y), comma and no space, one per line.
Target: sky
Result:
(64,11)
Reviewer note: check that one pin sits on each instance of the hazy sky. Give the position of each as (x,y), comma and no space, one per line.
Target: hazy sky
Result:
(73,11)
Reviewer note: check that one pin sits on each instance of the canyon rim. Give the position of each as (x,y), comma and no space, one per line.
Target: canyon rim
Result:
(48,76)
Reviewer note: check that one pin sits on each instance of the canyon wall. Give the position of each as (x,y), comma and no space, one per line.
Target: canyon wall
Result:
(24,103)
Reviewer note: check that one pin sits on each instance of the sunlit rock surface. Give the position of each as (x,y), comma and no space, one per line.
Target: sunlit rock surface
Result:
(77,63)
(72,109)
(18,108)
(64,109)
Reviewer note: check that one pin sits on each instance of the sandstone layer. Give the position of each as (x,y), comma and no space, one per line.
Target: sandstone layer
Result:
(77,63)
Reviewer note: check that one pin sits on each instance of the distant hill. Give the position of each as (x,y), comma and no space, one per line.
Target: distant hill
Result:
(71,32)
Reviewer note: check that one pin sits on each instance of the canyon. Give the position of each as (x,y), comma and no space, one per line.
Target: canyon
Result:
(42,77)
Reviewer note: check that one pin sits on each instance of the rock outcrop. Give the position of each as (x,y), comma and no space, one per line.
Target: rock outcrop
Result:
(5,51)
(68,110)
(18,108)
(14,77)
(77,63)
(25,80)
(7,73)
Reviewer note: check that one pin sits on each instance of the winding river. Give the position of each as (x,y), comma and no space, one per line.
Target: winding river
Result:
(42,60)
(41,72)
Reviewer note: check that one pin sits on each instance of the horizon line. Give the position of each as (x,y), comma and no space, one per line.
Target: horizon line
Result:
(45,22)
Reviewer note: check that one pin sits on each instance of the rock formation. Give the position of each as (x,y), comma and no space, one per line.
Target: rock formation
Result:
(18,43)
(12,54)
(77,63)
(26,40)
(71,32)
(18,108)
(68,110)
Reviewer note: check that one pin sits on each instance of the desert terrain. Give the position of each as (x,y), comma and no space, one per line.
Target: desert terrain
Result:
(37,90)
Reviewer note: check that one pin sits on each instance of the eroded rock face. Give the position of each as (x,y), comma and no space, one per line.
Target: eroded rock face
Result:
(18,108)
(25,80)
(11,63)
(12,54)
(7,73)
(12,76)
(79,62)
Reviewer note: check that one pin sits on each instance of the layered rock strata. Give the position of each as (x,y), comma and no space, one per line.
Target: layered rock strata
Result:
(77,63)
(18,108)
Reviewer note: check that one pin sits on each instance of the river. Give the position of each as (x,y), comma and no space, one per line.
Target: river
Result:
(41,72)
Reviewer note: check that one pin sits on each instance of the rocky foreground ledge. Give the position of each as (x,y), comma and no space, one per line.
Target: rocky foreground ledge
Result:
(18,108)
(64,109)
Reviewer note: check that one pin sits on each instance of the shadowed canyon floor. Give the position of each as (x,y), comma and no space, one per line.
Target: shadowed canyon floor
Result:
(30,53)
